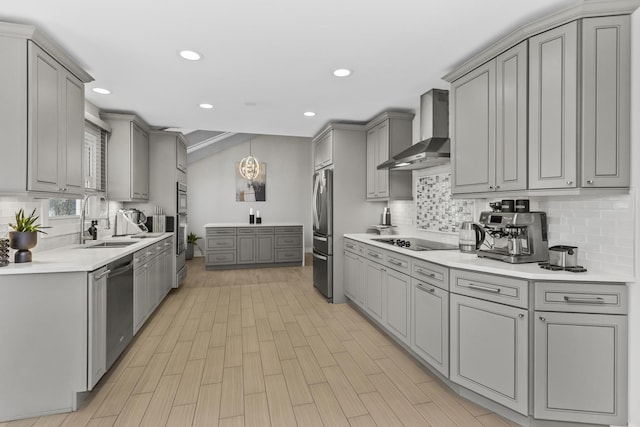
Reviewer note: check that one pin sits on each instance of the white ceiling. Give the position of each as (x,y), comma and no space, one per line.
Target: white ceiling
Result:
(275,55)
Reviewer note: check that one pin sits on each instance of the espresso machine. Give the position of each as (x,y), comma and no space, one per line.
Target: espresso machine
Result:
(515,237)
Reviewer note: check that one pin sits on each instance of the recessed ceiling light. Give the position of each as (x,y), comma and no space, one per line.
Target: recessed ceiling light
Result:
(190,55)
(341,72)
(309,113)
(206,106)
(101,91)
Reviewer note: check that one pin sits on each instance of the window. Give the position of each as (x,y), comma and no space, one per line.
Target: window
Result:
(95,148)
(64,207)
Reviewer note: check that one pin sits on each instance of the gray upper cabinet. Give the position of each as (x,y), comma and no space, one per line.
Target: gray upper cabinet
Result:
(323,150)
(579,135)
(489,125)
(553,108)
(181,154)
(41,116)
(128,164)
(388,134)
(606,84)
(473,106)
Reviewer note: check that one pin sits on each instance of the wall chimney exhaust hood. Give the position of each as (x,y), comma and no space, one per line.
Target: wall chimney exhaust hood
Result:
(434,147)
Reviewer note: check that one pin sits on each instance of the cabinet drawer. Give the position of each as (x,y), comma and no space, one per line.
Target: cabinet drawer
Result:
(505,290)
(374,254)
(576,297)
(246,230)
(221,231)
(288,241)
(350,246)
(397,262)
(288,255)
(433,274)
(215,243)
(285,230)
(264,230)
(221,258)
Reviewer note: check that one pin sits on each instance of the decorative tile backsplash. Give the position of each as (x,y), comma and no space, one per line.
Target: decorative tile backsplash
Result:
(436,210)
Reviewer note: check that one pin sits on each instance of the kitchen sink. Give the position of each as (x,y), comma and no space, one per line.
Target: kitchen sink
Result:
(146,235)
(108,245)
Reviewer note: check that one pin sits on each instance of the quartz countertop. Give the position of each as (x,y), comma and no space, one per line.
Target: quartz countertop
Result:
(246,224)
(457,259)
(77,258)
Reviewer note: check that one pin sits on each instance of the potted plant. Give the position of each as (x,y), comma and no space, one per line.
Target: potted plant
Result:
(192,238)
(25,235)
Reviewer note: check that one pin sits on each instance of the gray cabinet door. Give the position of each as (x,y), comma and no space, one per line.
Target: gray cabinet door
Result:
(361,282)
(350,273)
(323,151)
(139,163)
(398,301)
(264,249)
(553,86)
(374,282)
(606,101)
(97,327)
(45,153)
(181,155)
(580,367)
(511,119)
(246,249)
(430,325)
(72,179)
(489,350)
(473,107)
(372,144)
(382,155)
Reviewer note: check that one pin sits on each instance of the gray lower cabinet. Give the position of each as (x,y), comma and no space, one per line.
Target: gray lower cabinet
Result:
(374,290)
(430,324)
(489,350)
(350,275)
(246,248)
(264,249)
(397,288)
(580,359)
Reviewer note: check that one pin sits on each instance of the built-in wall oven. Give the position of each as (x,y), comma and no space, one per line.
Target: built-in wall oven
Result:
(181,233)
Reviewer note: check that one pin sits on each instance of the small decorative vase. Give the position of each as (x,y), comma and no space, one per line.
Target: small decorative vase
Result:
(23,241)
(189,252)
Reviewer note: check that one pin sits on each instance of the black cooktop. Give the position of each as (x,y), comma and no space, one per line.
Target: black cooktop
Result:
(417,244)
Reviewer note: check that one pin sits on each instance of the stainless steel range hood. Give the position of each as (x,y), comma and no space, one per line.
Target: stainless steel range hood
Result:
(434,148)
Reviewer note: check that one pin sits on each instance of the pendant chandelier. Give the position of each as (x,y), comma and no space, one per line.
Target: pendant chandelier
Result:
(249,167)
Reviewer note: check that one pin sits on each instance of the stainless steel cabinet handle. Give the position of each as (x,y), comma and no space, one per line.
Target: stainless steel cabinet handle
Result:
(569,182)
(491,187)
(543,319)
(323,258)
(484,288)
(425,273)
(373,254)
(394,262)
(322,239)
(103,274)
(521,315)
(584,300)
(589,181)
(497,187)
(425,289)
(350,246)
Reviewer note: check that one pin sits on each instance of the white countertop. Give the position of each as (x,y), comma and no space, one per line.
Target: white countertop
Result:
(457,259)
(246,224)
(76,258)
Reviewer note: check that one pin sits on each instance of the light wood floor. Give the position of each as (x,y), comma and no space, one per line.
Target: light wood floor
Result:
(262,348)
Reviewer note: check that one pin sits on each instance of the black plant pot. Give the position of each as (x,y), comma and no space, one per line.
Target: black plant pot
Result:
(23,241)
(189,252)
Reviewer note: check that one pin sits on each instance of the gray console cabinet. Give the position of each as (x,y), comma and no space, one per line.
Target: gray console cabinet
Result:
(253,246)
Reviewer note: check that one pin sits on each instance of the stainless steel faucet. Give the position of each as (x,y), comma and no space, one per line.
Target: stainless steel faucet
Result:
(84,233)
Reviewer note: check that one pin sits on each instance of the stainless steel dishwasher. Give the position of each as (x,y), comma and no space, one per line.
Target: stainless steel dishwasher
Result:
(119,307)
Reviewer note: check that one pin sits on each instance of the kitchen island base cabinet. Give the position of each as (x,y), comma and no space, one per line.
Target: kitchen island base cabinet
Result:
(489,350)
(228,247)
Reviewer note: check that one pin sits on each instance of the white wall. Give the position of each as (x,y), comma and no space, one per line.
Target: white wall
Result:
(212,183)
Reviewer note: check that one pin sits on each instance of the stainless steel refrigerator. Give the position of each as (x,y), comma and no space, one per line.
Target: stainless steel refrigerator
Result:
(323,232)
